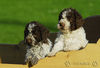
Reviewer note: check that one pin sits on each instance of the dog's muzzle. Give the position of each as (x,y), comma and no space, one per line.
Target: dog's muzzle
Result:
(29,41)
(61,25)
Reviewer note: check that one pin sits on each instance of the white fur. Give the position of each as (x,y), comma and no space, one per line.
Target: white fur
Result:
(32,38)
(69,41)
(40,51)
(30,27)
(30,33)
(66,22)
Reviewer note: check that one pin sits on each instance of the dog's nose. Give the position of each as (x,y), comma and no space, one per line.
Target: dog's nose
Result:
(29,40)
(62,24)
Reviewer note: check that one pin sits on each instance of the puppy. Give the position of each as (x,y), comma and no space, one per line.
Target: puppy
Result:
(38,44)
(72,35)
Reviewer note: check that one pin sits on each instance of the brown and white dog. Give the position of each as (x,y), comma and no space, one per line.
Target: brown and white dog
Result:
(72,35)
(37,41)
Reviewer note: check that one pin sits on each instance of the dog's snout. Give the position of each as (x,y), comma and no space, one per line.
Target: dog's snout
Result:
(29,40)
(62,24)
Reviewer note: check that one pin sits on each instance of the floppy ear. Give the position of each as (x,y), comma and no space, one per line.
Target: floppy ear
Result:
(38,34)
(78,19)
(44,34)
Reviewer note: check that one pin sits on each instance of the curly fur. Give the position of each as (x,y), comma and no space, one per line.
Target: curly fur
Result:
(39,30)
(72,35)
(38,44)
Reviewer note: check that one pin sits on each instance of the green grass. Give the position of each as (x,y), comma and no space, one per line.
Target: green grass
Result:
(15,14)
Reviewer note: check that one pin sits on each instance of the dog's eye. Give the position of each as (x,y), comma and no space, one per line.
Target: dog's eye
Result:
(62,18)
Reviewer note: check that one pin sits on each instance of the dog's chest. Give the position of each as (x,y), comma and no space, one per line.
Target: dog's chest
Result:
(36,49)
(69,38)
(40,51)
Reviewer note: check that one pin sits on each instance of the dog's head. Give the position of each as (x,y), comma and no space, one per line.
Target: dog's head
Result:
(69,19)
(35,33)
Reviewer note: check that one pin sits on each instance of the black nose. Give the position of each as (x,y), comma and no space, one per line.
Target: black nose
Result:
(62,24)
(29,40)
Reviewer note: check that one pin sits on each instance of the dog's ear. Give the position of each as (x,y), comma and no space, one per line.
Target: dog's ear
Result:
(44,34)
(38,34)
(78,19)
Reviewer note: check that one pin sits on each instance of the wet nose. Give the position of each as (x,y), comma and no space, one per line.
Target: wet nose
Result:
(29,40)
(62,24)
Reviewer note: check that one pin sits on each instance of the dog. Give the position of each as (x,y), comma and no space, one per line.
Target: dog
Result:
(72,35)
(37,42)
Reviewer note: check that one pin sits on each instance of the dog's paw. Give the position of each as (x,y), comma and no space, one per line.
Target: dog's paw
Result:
(32,61)
(51,54)
(81,48)
(65,49)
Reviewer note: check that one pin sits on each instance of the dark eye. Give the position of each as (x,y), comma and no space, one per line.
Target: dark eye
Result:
(62,18)
(68,16)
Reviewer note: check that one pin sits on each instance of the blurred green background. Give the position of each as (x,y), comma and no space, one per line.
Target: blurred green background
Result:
(15,14)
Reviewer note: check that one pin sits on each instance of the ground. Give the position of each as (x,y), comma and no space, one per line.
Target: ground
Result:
(15,14)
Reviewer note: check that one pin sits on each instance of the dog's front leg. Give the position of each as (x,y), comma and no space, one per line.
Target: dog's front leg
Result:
(57,47)
(31,58)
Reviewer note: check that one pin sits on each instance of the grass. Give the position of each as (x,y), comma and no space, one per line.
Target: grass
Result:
(15,14)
